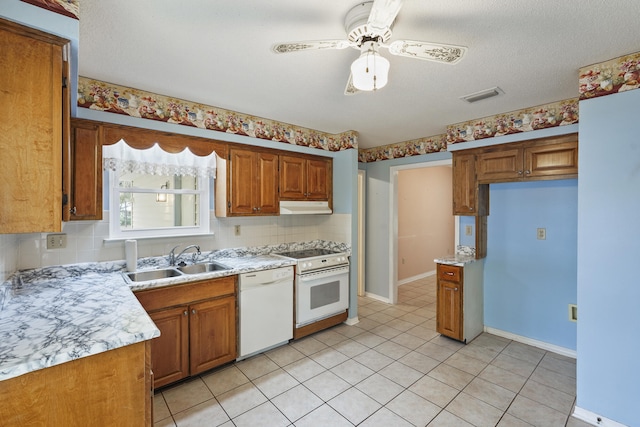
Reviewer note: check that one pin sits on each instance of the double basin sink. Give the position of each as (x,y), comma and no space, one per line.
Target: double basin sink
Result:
(165,273)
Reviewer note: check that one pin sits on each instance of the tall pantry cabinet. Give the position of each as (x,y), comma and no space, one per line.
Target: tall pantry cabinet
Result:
(33,125)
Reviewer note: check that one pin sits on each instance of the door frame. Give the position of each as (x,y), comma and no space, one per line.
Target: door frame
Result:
(393,215)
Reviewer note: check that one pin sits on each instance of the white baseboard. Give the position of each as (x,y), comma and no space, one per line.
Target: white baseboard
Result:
(377,297)
(351,321)
(594,419)
(530,341)
(418,277)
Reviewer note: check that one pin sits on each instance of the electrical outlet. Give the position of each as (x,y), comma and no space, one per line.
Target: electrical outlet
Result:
(56,241)
(236,230)
(573,312)
(468,230)
(542,234)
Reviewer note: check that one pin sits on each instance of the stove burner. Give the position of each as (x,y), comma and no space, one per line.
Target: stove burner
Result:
(307,253)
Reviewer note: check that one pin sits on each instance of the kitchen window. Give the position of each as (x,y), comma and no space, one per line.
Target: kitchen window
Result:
(153,193)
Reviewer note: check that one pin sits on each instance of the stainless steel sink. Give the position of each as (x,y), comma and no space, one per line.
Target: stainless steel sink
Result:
(203,268)
(143,276)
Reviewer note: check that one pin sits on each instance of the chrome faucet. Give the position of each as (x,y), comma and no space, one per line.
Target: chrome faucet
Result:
(173,257)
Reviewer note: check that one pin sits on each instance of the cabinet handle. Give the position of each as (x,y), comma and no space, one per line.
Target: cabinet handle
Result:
(193,311)
(448,273)
(73,210)
(185,312)
(470,208)
(455,289)
(519,172)
(255,209)
(528,172)
(258,209)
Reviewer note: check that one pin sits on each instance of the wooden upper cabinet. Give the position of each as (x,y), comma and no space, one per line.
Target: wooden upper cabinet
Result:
(469,198)
(552,161)
(33,70)
(253,182)
(82,172)
(540,159)
(500,165)
(304,178)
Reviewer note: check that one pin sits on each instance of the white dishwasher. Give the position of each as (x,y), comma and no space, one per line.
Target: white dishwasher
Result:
(266,310)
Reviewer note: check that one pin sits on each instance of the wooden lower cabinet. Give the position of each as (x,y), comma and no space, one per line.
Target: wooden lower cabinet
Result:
(198,327)
(170,351)
(109,388)
(212,333)
(460,313)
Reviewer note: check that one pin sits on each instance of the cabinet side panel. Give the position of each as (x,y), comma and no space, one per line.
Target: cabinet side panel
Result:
(31,136)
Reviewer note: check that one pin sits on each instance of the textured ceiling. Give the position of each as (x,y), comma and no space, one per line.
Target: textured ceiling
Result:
(219,53)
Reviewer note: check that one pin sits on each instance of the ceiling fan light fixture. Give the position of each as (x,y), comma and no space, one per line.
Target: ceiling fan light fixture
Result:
(371,70)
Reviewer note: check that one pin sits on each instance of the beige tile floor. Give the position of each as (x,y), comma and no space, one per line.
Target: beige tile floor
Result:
(391,369)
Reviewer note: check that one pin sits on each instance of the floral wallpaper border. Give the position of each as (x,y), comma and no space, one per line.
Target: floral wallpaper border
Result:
(414,147)
(541,117)
(68,8)
(102,96)
(609,77)
(533,118)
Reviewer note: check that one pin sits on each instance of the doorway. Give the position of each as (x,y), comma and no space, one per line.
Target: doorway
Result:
(427,229)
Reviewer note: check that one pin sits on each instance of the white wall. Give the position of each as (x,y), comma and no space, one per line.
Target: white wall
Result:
(608,376)
(85,239)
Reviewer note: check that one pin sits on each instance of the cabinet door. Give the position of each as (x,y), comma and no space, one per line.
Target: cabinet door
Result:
(449,310)
(31,129)
(551,161)
(267,188)
(464,184)
(499,166)
(242,183)
(83,171)
(292,178)
(170,351)
(212,333)
(469,198)
(319,179)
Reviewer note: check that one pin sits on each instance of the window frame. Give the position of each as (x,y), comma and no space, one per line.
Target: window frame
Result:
(205,187)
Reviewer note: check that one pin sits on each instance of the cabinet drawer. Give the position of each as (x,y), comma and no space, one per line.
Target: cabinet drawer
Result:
(450,273)
(170,296)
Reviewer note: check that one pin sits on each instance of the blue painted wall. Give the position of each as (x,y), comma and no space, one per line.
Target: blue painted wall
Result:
(608,253)
(529,283)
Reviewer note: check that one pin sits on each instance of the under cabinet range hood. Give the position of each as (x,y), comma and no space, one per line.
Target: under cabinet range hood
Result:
(288,207)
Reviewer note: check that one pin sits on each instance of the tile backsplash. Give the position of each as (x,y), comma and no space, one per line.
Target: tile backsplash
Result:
(85,239)
(8,255)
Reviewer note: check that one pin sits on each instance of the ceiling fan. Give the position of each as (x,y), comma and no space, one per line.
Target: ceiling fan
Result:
(368,26)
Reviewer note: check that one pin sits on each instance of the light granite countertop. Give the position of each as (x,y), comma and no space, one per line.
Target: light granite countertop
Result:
(57,314)
(464,255)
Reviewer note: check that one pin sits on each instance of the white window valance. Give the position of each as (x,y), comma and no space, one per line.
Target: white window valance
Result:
(121,157)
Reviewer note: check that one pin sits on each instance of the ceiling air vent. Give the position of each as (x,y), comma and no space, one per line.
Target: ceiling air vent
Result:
(483,94)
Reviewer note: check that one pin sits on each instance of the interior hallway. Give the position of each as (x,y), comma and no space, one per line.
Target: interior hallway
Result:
(391,369)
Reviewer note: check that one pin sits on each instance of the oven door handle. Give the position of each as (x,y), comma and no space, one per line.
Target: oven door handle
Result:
(315,275)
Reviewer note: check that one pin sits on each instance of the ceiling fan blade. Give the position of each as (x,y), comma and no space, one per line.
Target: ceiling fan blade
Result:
(350,89)
(311,45)
(449,54)
(382,15)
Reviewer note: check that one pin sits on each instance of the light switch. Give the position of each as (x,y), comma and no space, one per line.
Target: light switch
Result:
(468,230)
(542,234)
